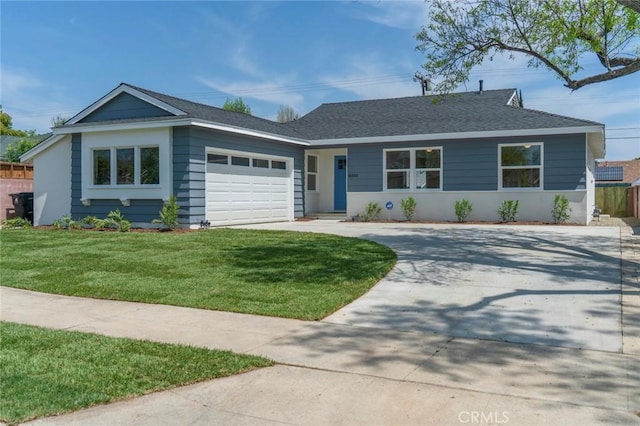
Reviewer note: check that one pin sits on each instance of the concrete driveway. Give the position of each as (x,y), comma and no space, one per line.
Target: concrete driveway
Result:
(546,285)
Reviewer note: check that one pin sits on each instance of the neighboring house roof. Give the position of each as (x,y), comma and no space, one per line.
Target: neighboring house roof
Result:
(614,173)
(491,113)
(467,112)
(618,171)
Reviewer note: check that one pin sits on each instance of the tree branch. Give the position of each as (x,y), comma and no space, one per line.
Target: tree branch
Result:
(610,75)
(631,4)
(539,57)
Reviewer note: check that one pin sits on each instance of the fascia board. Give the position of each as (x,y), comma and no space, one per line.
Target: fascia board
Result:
(177,122)
(248,132)
(458,135)
(97,127)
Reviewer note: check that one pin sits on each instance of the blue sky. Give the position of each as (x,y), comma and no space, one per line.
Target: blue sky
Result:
(59,57)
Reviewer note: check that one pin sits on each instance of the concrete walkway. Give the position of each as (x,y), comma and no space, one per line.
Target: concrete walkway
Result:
(335,372)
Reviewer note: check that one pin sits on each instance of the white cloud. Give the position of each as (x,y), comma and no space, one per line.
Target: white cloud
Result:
(29,102)
(274,91)
(410,15)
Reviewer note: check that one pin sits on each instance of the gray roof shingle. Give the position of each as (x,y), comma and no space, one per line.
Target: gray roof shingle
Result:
(417,115)
(219,115)
(460,112)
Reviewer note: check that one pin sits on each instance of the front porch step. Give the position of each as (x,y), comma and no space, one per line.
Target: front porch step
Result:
(328,216)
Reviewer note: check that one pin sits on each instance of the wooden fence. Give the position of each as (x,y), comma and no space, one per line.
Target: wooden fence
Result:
(633,201)
(15,170)
(612,200)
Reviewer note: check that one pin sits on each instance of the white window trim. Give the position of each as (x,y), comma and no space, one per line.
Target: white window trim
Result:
(411,170)
(501,167)
(307,173)
(113,166)
(160,138)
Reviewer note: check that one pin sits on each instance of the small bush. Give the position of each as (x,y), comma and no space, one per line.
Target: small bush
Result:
(508,210)
(408,207)
(67,222)
(116,220)
(463,208)
(561,209)
(16,223)
(371,212)
(169,214)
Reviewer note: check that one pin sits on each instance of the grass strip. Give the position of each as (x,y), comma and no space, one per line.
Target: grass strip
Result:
(46,372)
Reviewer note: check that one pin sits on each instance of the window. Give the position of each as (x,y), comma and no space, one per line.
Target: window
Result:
(150,166)
(281,165)
(102,167)
(312,173)
(228,158)
(133,166)
(217,159)
(520,166)
(413,169)
(124,166)
(240,161)
(261,163)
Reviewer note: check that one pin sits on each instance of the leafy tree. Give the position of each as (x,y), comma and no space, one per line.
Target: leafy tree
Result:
(6,125)
(286,114)
(237,105)
(16,149)
(556,34)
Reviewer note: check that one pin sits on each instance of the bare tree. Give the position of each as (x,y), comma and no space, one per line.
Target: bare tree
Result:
(286,114)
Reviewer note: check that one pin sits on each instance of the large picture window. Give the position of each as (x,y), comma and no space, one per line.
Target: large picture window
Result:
(521,166)
(132,166)
(413,169)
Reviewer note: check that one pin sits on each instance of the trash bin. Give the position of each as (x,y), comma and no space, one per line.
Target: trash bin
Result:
(23,205)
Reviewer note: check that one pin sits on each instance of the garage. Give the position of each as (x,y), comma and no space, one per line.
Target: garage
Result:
(247,188)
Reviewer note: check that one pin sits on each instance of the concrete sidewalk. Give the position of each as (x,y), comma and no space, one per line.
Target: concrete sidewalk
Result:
(341,374)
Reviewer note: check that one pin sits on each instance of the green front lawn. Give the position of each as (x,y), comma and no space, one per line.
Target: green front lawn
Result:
(46,372)
(284,274)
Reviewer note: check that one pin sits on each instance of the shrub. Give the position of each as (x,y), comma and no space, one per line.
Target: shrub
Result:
(371,211)
(508,210)
(115,219)
(561,210)
(463,208)
(169,214)
(16,223)
(408,207)
(67,222)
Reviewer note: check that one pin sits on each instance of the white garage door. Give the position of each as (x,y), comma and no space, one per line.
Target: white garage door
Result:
(247,188)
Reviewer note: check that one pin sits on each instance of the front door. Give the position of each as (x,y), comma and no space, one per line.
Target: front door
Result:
(340,183)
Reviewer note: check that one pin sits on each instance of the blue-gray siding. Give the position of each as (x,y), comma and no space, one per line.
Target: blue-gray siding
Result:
(188,175)
(189,145)
(125,106)
(472,165)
